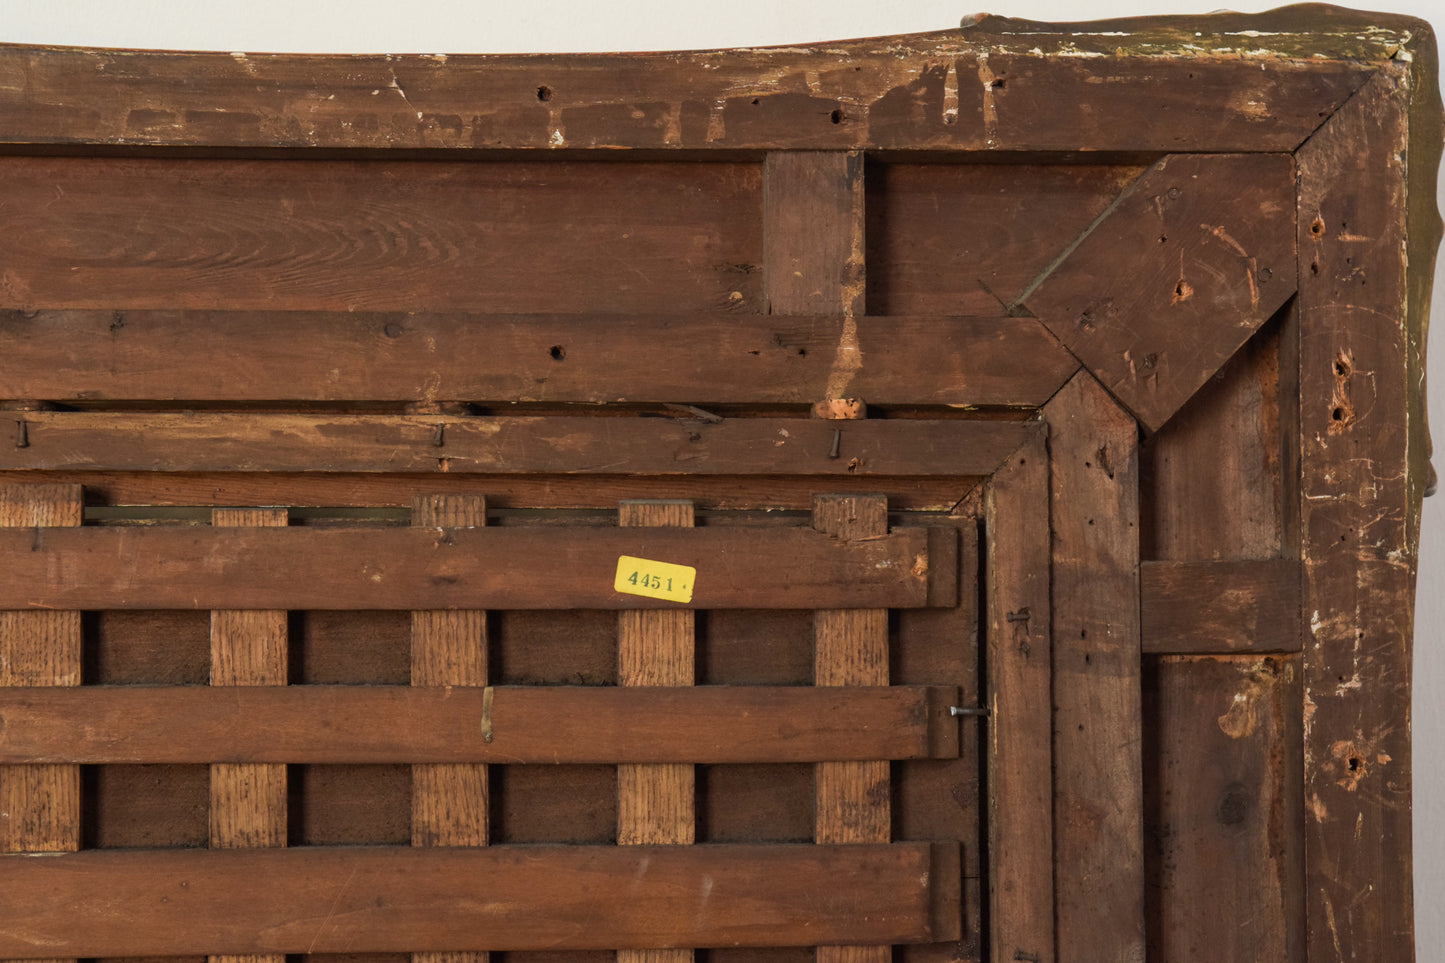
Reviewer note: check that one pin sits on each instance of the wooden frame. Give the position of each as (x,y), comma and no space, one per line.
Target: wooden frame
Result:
(1167,367)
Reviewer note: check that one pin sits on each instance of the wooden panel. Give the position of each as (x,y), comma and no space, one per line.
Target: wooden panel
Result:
(656,802)
(813,243)
(969,238)
(1364,473)
(208,442)
(1098,805)
(702,358)
(529,724)
(248,648)
(391,236)
(1020,735)
(299,568)
(851,649)
(1224,732)
(1220,607)
(1197,244)
(911,92)
(41,803)
(378,900)
(450,803)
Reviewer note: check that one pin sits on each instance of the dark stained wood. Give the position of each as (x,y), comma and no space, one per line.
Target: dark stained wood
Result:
(921,91)
(1220,607)
(1224,731)
(813,245)
(450,802)
(391,568)
(851,649)
(1360,503)
(954,238)
(208,441)
(41,803)
(1202,245)
(1020,733)
(501,897)
(529,724)
(313,235)
(248,648)
(716,357)
(336,489)
(656,802)
(1098,804)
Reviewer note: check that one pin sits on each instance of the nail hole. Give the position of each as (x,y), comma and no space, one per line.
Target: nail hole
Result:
(836,116)
(557,352)
(998,84)
(802,352)
(1162,238)
(1338,414)
(756,101)
(1317,227)
(392,330)
(544,94)
(1265,274)
(1354,764)
(1342,367)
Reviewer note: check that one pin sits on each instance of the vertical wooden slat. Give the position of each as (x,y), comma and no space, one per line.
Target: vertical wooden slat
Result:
(1223,787)
(1098,795)
(813,241)
(656,803)
(1366,219)
(1020,730)
(851,648)
(40,804)
(450,803)
(248,801)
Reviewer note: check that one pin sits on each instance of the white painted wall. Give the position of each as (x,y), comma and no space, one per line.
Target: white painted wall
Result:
(491,26)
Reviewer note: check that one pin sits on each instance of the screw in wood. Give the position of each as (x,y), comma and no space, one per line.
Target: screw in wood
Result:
(438,437)
(967,711)
(1022,615)
(837,442)
(22,435)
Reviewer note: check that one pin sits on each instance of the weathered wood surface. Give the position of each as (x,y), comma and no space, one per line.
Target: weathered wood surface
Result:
(1167,284)
(1363,479)
(248,648)
(1223,786)
(517,568)
(1020,733)
(328,900)
(717,357)
(1221,735)
(1098,803)
(939,90)
(528,724)
(352,490)
(450,802)
(41,803)
(288,234)
(1220,607)
(656,802)
(671,445)
(851,649)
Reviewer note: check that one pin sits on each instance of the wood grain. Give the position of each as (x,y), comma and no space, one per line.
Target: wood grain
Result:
(248,648)
(679,444)
(713,357)
(1202,245)
(296,234)
(518,568)
(656,803)
(851,649)
(389,899)
(450,802)
(913,92)
(1363,479)
(1098,805)
(529,724)
(41,803)
(1220,607)
(1020,732)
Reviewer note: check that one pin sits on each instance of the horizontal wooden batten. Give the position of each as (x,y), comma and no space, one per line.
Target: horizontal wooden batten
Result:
(363,900)
(1205,608)
(928,90)
(700,358)
(505,724)
(433,568)
(213,441)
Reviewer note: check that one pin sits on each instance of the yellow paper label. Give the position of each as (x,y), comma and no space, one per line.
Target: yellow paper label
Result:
(655,580)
